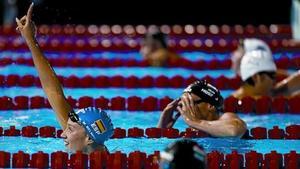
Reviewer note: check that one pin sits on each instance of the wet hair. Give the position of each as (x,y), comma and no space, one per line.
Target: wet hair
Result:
(186,154)
(159,36)
(251,82)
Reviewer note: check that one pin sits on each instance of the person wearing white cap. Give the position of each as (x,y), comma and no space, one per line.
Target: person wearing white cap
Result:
(246,45)
(290,86)
(295,19)
(258,72)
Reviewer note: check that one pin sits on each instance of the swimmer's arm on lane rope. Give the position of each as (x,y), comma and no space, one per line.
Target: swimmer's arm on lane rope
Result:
(48,78)
(219,128)
(289,85)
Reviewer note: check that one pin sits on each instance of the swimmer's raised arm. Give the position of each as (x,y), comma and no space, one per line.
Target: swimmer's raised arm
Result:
(48,78)
(229,125)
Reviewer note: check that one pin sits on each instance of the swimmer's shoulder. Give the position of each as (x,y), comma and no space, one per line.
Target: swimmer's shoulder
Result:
(239,93)
(235,119)
(167,53)
(228,116)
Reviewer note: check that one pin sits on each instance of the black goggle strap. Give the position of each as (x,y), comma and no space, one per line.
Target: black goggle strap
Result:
(73,116)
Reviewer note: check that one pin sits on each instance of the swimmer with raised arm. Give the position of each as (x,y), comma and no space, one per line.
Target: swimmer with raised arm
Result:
(84,130)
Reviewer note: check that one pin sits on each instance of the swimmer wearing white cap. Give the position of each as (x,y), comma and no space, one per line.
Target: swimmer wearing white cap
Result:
(247,45)
(258,72)
(84,130)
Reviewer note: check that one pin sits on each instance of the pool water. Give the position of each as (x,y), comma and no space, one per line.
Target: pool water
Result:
(125,119)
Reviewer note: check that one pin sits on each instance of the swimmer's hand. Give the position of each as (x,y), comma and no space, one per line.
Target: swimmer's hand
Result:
(25,25)
(169,109)
(167,120)
(188,110)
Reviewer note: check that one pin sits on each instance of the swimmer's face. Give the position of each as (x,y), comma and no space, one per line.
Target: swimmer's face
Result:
(205,110)
(75,136)
(149,45)
(264,83)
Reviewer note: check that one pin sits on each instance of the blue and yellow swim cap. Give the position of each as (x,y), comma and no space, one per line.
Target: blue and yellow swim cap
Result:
(96,122)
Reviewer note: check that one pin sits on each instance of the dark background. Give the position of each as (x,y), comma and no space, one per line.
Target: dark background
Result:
(154,12)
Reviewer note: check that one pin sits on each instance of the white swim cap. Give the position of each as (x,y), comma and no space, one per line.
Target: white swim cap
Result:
(252,44)
(256,61)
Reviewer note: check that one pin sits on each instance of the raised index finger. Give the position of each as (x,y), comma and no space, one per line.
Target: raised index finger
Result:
(29,12)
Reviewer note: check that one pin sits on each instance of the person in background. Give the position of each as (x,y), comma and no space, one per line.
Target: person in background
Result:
(154,49)
(10,12)
(85,130)
(183,154)
(201,107)
(246,45)
(258,72)
(295,20)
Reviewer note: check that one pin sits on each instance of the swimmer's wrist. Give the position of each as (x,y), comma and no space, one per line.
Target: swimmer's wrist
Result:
(31,41)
